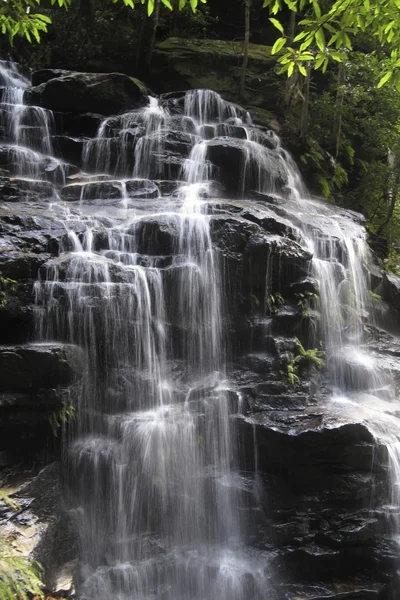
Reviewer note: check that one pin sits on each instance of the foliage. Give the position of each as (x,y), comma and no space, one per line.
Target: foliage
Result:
(392,263)
(273,302)
(60,417)
(304,301)
(7,285)
(313,359)
(327,31)
(20,17)
(19,575)
(375,298)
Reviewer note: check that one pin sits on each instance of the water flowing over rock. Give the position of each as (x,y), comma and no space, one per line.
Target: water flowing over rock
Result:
(207,331)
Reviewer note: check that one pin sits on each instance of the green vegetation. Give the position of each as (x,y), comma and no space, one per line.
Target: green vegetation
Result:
(60,417)
(273,303)
(304,302)
(19,576)
(338,112)
(311,359)
(327,30)
(7,286)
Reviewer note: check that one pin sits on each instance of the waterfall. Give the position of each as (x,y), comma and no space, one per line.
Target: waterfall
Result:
(152,467)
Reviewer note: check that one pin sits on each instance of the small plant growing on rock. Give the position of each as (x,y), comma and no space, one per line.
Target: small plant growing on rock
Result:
(273,303)
(7,286)
(304,302)
(313,359)
(59,418)
(375,298)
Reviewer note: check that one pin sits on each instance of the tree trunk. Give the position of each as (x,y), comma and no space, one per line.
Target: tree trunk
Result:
(306,102)
(245,47)
(146,39)
(153,31)
(292,27)
(337,119)
(392,191)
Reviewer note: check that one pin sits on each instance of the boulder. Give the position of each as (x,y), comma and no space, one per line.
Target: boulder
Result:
(34,366)
(86,124)
(14,189)
(243,166)
(38,526)
(70,149)
(180,64)
(104,93)
(391,287)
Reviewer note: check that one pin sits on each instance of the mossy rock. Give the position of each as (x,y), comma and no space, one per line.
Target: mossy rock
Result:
(215,64)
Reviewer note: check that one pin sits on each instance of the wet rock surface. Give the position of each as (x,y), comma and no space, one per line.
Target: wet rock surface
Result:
(316,513)
(105,93)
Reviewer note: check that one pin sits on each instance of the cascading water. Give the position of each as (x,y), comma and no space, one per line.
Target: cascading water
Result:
(153,472)
(154,458)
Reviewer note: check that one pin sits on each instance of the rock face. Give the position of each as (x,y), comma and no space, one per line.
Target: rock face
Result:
(105,93)
(184,64)
(73,244)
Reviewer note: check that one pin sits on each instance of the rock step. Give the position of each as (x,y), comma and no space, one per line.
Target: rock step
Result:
(110,189)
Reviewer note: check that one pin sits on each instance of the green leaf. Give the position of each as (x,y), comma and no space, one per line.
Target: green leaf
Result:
(302,69)
(337,56)
(385,79)
(36,35)
(307,43)
(290,69)
(279,44)
(320,39)
(43,18)
(276,24)
(150,7)
(300,36)
(317,8)
(319,61)
(167,3)
(193,5)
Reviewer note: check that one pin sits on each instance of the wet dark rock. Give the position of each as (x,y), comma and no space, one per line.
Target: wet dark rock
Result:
(227,129)
(174,142)
(40,528)
(240,165)
(44,167)
(92,190)
(17,265)
(297,441)
(112,189)
(141,188)
(228,156)
(231,234)
(81,125)
(44,75)
(104,93)
(15,189)
(157,236)
(391,286)
(33,366)
(69,149)
(284,258)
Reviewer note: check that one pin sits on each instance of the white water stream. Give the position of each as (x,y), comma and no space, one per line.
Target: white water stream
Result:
(153,465)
